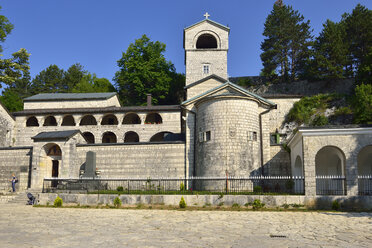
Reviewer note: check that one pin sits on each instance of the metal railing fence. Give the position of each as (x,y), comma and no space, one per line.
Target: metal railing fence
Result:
(192,185)
(365,184)
(330,185)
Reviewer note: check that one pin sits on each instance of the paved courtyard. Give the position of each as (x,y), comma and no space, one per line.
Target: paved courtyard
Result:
(25,226)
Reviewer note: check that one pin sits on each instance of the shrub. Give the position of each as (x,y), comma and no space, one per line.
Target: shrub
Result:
(362,103)
(236,205)
(182,203)
(257,189)
(117,202)
(58,202)
(257,204)
(182,187)
(285,206)
(336,205)
(220,204)
(289,184)
(120,188)
(320,120)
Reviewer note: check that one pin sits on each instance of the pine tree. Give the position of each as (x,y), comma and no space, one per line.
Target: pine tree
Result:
(330,52)
(286,46)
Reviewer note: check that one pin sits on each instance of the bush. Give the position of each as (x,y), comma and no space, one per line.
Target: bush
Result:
(58,202)
(120,188)
(320,120)
(117,202)
(182,203)
(257,204)
(257,189)
(289,184)
(336,205)
(362,104)
(236,205)
(182,187)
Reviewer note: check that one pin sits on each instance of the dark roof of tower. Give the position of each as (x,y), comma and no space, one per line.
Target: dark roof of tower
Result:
(69,96)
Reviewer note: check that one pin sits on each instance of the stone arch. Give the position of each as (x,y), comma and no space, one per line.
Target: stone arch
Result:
(50,162)
(131,137)
(365,161)
(109,119)
(89,137)
(88,120)
(50,121)
(206,41)
(109,137)
(32,122)
(330,161)
(153,118)
(298,167)
(159,136)
(131,118)
(68,120)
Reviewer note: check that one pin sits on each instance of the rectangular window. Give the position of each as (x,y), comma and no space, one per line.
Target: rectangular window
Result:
(206,69)
(252,136)
(277,138)
(208,136)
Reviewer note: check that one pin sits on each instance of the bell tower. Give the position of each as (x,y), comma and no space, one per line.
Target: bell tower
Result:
(206,44)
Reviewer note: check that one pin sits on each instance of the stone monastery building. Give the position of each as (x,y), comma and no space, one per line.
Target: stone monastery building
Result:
(220,129)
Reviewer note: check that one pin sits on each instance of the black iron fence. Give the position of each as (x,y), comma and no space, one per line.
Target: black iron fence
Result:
(330,185)
(193,185)
(365,184)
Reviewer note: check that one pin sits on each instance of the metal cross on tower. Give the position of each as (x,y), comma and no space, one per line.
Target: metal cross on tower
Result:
(206,15)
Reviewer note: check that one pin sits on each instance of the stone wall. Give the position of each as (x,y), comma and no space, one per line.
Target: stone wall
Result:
(6,126)
(202,87)
(137,160)
(60,104)
(15,160)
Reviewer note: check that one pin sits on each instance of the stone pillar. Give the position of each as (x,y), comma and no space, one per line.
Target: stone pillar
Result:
(351,171)
(309,169)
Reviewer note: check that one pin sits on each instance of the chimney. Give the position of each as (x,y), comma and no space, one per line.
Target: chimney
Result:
(149,99)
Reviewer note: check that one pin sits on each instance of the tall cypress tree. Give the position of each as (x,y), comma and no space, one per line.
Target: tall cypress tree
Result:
(286,46)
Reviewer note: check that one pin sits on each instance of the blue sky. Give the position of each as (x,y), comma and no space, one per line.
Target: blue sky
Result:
(95,33)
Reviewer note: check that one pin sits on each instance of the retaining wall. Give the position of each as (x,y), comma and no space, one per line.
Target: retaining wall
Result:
(322,202)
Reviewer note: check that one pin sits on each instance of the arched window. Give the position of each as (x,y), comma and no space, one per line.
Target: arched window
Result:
(298,170)
(159,136)
(153,118)
(206,41)
(54,151)
(68,120)
(88,120)
(365,171)
(131,137)
(32,122)
(109,120)
(131,118)
(89,137)
(50,121)
(329,167)
(109,137)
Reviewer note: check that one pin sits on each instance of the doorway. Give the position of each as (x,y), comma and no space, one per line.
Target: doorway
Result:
(55,172)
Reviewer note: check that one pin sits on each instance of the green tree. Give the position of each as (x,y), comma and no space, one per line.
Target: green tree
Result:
(362,104)
(5,29)
(330,52)
(358,26)
(73,76)
(90,84)
(143,70)
(11,100)
(286,46)
(364,73)
(50,80)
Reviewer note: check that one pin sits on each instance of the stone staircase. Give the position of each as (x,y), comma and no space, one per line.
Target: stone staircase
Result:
(19,198)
